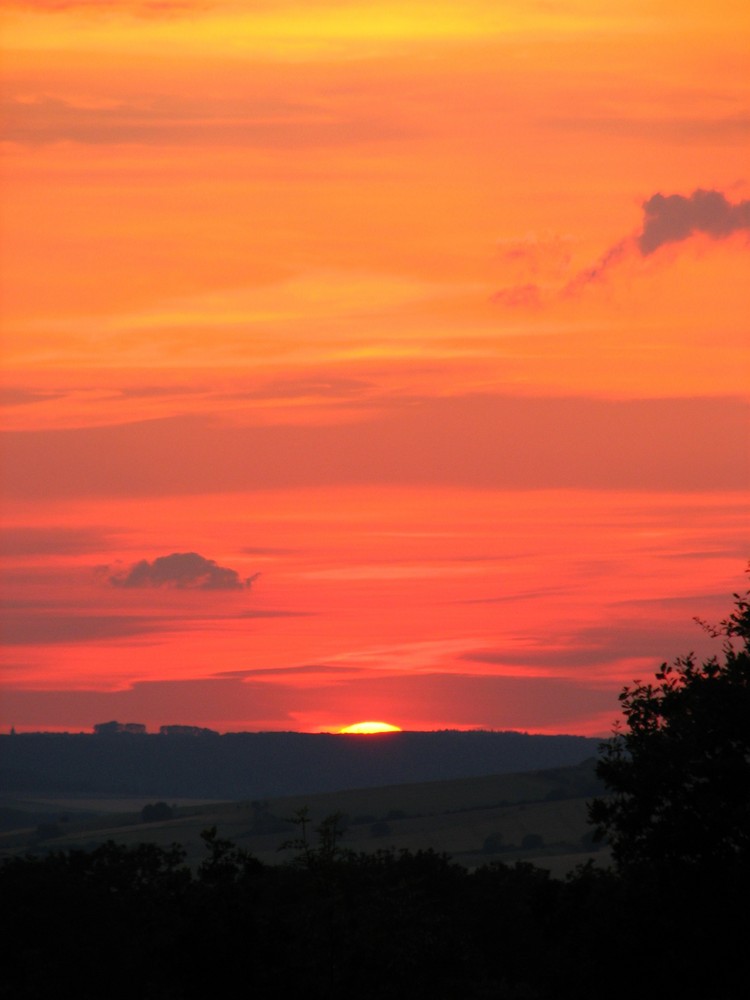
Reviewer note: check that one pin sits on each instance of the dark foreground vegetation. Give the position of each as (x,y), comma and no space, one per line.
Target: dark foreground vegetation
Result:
(669,919)
(124,922)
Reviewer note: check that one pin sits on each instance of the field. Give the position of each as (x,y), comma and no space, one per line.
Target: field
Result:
(535,816)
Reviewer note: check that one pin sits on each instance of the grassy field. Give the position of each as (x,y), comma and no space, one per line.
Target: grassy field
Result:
(535,816)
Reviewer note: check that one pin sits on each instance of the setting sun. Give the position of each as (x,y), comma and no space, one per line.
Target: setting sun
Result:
(367,728)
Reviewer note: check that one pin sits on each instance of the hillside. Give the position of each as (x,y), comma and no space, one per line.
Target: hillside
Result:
(266,765)
(538,816)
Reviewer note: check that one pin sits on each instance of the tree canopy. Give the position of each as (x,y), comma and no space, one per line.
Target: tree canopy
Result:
(679,773)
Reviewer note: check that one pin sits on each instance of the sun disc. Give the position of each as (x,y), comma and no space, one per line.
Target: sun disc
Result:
(368,728)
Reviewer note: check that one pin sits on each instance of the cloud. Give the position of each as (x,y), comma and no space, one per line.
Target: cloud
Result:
(267,550)
(673,218)
(45,629)
(39,625)
(279,673)
(184,571)
(18,396)
(596,271)
(42,118)
(666,219)
(481,441)
(135,8)
(519,296)
(23,541)
(640,632)
(299,388)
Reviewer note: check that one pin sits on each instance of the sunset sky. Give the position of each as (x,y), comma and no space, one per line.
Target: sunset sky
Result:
(369,360)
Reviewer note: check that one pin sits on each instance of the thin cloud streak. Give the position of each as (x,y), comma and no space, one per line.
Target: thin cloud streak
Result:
(479,441)
(666,219)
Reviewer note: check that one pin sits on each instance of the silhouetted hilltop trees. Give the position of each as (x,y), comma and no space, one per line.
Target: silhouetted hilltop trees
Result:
(268,765)
(114,728)
(186,731)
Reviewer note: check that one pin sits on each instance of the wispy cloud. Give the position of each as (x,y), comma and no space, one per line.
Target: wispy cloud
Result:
(41,118)
(23,540)
(475,440)
(523,296)
(137,8)
(671,219)
(46,629)
(666,219)
(279,673)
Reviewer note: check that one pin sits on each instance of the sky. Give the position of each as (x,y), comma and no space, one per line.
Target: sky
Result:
(369,360)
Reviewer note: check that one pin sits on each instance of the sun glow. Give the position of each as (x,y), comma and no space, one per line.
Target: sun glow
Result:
(368,728)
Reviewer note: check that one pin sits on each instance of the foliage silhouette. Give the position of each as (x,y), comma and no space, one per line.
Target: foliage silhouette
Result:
(679,775)
(156,812)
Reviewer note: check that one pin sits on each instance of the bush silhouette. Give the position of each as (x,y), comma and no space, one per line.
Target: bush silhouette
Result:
(679,774)
(156,812)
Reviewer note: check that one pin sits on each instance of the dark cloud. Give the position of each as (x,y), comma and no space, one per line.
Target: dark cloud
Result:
(669,219)
(182,570)
(673,218)
(281,672)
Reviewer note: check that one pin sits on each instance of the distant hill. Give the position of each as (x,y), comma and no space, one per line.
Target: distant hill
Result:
(538,816)
(267,765)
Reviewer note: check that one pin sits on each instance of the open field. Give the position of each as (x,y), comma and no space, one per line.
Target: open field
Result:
(536,816)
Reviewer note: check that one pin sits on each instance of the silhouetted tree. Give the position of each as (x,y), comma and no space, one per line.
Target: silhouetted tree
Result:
(226,863)
(380,828)
(156,812)
(679,775)
(327,850)
(532,841)
(493,843)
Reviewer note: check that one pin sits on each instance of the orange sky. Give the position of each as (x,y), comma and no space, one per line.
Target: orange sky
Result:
(434,315)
